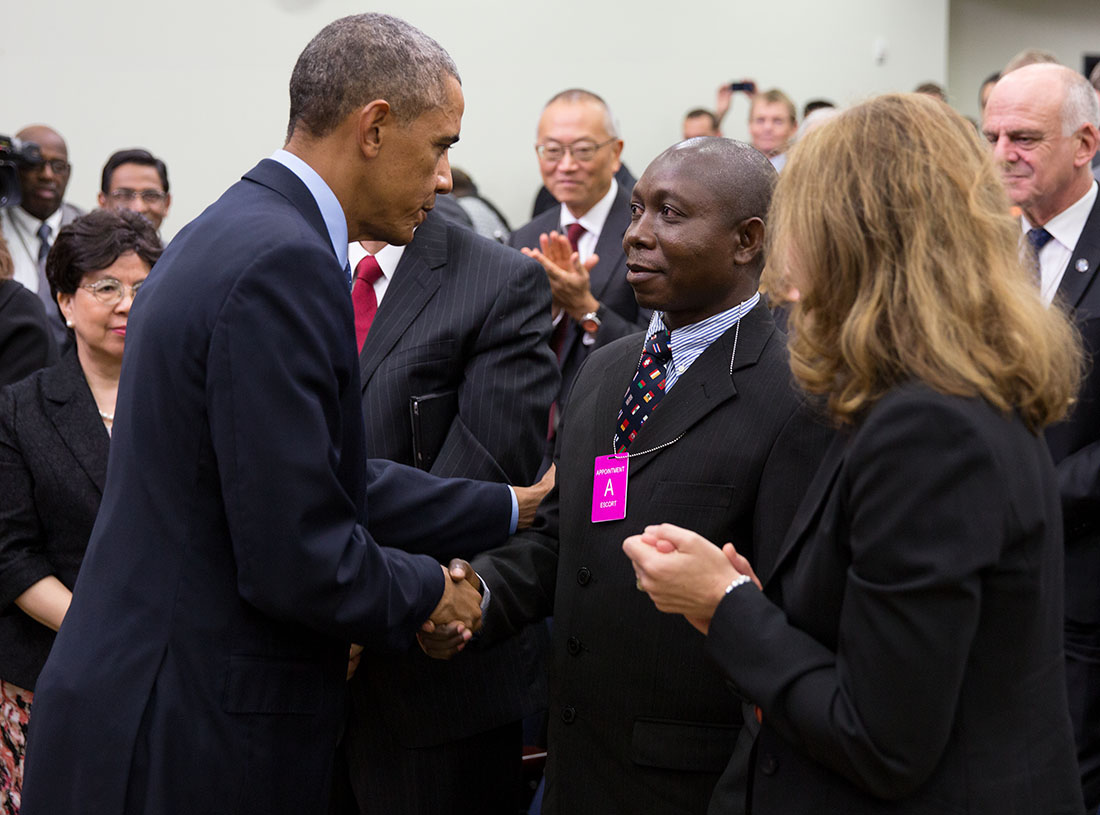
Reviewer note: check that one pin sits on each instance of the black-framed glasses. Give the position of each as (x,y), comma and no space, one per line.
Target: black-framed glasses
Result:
(109,291)
(58,165)
(580,150)
(124,196)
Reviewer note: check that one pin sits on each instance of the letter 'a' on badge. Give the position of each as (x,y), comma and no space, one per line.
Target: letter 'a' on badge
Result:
(609,478)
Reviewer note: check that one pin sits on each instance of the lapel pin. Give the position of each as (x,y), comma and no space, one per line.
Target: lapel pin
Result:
(1082,265)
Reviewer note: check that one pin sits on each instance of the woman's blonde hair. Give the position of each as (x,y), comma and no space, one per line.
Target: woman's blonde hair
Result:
(894,215)
(7,265)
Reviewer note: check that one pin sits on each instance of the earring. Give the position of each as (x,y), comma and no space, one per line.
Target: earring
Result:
(68,323)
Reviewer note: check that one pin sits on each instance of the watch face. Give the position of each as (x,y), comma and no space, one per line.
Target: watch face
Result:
(590,325)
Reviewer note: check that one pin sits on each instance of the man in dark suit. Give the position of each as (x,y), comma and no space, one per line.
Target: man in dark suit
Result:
(31,227)
(202,664)
(460,333)
(638,721)
(1042,121)
(578,150)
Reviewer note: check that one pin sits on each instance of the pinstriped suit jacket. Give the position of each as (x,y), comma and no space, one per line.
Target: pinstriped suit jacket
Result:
(466,314)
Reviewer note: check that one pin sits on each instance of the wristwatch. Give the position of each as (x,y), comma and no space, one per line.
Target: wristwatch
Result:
(591,322)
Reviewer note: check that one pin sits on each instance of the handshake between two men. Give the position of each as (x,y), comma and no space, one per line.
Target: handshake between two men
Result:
(457,616)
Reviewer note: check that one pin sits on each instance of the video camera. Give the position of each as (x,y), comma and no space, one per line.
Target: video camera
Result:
(14,154)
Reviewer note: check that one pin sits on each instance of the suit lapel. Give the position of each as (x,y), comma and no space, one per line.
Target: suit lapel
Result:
(72,411)
(1086,255)
(705,386)
(812,502)
(415,281)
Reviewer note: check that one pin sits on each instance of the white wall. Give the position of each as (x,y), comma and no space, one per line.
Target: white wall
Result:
(203,83)
(985,34)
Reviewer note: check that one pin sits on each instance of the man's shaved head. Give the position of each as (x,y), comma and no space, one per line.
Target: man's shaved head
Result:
(695,244)
(44,184)
(738,174)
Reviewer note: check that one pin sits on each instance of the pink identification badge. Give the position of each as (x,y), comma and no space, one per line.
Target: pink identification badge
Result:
(609,488)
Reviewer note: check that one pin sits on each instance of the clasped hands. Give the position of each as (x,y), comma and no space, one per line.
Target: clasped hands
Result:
(568,276)
(453,622)
(457,616)
(683,572)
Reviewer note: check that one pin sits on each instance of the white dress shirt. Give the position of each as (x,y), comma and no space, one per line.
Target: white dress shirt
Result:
(1066,228)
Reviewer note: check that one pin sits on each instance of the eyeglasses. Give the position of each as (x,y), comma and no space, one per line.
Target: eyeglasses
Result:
(58,165)
(109,291)
(125,196)
(580,150)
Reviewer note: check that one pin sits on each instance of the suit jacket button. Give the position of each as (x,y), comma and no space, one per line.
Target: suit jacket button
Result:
(568,714)
(768,764)
(584,574)
(573,646)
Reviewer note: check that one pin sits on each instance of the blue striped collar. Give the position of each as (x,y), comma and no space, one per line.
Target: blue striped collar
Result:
(688,342)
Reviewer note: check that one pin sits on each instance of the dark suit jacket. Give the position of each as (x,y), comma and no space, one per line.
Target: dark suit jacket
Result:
(53,462)
(907,650)
(205,651)
(467,317)
(619,312)
(1075,446)
(638,721)
(26,343)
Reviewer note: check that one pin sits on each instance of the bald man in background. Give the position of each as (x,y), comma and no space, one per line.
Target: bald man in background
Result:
(31,227)
(1042,121)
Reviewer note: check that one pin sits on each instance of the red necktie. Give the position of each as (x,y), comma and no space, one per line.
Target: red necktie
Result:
(363,299)
(557,336)
(574,232)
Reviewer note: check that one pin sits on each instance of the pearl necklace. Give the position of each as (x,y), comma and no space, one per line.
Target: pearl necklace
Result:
(107,417)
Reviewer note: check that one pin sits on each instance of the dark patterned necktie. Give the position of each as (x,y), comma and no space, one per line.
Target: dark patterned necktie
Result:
(43,242)
(645,391)
(1038,238)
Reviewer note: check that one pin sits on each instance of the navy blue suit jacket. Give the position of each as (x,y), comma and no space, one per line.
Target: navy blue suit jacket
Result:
(201,666)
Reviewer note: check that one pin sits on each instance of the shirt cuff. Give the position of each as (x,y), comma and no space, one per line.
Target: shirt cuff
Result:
(485,594)
(514,523)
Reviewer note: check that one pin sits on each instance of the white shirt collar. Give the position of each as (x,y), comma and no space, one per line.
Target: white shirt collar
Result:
(388,257)
(30,224)
(1066,227)
(593,220)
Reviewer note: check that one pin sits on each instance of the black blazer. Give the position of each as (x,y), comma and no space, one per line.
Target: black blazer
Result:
(1075,446)
(205,651)
(620,314)
(907,651)
(467,319)
(26,343)
(638,721)
(53,462)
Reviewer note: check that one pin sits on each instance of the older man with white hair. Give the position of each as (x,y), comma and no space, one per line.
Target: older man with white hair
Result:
(1042,121)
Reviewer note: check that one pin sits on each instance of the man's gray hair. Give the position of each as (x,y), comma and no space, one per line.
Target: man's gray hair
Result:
(1080,104)
(576,95)
(1094,77)
(356,60)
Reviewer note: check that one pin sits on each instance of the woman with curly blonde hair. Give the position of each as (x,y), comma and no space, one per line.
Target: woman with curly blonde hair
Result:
(905,652)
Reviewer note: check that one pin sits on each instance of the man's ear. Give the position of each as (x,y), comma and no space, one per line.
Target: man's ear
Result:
(101,199)
(750,238)
(1087,138)
(373,119)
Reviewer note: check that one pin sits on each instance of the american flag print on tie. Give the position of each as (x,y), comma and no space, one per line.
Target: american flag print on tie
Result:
(645,391)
